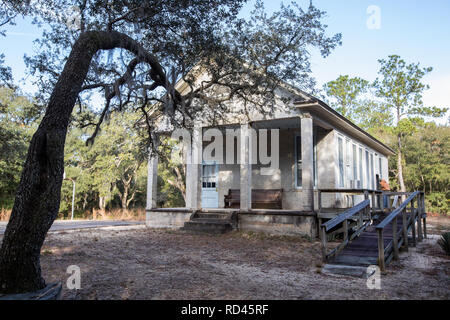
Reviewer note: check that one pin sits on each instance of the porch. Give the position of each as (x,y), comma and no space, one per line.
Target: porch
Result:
(293,155)
(273,221)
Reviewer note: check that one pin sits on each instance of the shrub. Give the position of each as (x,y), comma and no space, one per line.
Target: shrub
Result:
(438,202)
(444,242)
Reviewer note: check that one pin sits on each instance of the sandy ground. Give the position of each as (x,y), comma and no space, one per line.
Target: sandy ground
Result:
(162,264)
(59,225)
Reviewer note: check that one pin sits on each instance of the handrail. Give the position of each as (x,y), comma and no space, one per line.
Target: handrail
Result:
(350,190)
(400,237)
(345,215)
(375,195)
(394,213)
(360,208)
(395,193)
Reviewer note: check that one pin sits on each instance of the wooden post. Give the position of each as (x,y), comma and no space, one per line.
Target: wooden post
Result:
(381,250)
(360,219)
(345,225)
(413,223)
(324,244)
(367,209)
(405,229)
(394,238)
(419,219)
(389,203)
(373,203)
(381,201)
(319,228)
(319,200)
(424,213)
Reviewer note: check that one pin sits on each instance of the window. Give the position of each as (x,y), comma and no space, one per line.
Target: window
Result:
(315,156)
(341,162)
(367,170)
(381,167)
(298,161)
(348,172)
(355,167)
(209,176)
(361,176)
(372,171)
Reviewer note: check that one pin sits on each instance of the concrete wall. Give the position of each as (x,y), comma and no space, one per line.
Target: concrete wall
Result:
(175,218)
(279,224)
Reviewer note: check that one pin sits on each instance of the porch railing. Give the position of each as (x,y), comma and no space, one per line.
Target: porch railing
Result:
(375,196)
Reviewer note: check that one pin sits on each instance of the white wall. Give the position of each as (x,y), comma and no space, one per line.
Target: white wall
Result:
(349,162)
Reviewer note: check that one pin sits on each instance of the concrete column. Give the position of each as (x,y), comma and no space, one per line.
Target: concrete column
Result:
(306,132)
(152,176)
(194,171)
(246,167)
(189,172)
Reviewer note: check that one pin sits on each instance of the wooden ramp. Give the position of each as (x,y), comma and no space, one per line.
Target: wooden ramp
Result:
(363,250)
(377,241)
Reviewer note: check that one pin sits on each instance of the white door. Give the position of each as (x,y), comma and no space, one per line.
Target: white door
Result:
(210,194)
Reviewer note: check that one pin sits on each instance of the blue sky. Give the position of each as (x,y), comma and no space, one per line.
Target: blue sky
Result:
(418,31)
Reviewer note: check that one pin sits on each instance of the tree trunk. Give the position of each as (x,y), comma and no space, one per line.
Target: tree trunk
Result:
(124,197)
(101,203)
(38,195)
(400,165)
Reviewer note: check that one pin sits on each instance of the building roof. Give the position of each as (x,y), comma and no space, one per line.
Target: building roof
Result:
(307,102)
(318,107)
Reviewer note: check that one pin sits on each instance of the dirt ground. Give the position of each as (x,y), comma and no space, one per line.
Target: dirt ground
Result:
(163,264)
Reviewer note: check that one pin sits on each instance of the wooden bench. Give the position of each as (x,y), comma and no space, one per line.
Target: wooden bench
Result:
(263,198)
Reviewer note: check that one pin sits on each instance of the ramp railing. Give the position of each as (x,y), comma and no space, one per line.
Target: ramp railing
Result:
(360,209)
(410,217)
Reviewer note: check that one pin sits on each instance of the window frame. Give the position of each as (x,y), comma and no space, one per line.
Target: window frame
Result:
(341,161)
(296,182)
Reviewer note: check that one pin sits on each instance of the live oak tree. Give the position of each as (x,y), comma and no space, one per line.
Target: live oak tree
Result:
(131,53)
(7,16)
(400,86)
(109,168)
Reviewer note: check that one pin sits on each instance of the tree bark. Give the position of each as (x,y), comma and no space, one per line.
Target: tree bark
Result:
(400,165)
(38,195)
(124,197)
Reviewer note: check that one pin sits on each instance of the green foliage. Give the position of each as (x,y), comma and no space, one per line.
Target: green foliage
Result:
(109,168)
(444,242)
(401,84)
(18,115)
(438,202)
(114,168)
(427,158)
(172,175)
(345,93)
(394,113)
